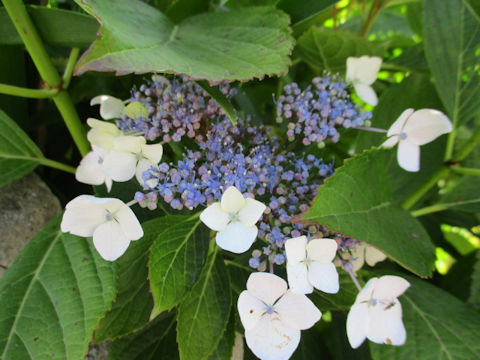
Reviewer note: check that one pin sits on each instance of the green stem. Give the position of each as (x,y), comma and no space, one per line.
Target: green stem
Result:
(422,190)
(466,171)
(30,37)
(468,147)
(372,15)
(27,93)
(428,210)
(56,165)
(72,59)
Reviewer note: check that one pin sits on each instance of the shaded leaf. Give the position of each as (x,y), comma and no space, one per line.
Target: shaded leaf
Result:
(225,346)
(342,300)
(464,196)
(204,314)
(302,10)
(357,202)
(236,45)
(176,259)
(474,298)
(53,296)
(221,100)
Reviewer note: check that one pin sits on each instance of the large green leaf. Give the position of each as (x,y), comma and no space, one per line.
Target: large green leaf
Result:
(53,296)
(357,202)
(225,345)
(439,326)
(236,45)
(134,302)
(327,49)
(18,154)
(154,341)
(176,259)
(203,315)
(56,27)
(452,35)
(464,196)
(474,298)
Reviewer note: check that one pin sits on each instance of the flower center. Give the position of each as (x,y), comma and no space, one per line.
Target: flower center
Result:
(403,136)
(233,216)
(109,217)
(269,309)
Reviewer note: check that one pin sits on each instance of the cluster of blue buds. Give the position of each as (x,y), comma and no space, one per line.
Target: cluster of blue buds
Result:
(175,107)
(315,114)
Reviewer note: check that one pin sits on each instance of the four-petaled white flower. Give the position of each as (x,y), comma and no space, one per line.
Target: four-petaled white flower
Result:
(234,218)
(110,221)
(362,72)
(365,253)
(377,313)
(309,265)
(110,107)
(415,128)
(273,316)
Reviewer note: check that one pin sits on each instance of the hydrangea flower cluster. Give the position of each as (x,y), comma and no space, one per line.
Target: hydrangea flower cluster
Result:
(251,160)
(175,108)
(316,113)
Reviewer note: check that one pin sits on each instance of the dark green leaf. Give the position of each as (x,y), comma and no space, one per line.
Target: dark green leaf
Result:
(18,154)
(439,326)
(150,342)
(221,100)
(301,10)
(327,49)
(412,57)
(56,27)
(464,196)
(204,314)
(310,346)
(225,346)
(236,45)
(452,35)
(176,259)
(357,202)
(415,16)
(53,296)
(474,298)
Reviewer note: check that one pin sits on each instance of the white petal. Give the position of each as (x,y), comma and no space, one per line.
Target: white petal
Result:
(397,127)
(296,250)
(322,250)
(366,93)
(366,293)
(324,277)
(102,133)
(390,142)
(298,279)
(272,340)
(152,152)
(425,125)
(132,144)
(408,156)
(110,107)
(297,311)
(83,215)
(352,68)
(120,166)
(366,69)
(128,222)
(250,309)
(108,183)
(236,237)
(389,287)
(373,255)
(237,351)
(357,324)
(358,253)
(110,241)
(214,217)
(104,126)
(142,166)
(266,287)
(251,212)
(385,324)
(232,200)
(90,170)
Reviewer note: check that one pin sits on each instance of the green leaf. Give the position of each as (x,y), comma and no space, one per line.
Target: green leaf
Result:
(225,345)
(221,100)
(134,302)
(310,346)
(153,341)
(236,45)
(451,44)
(357,202)
(439,326)
(464,196)
(176,259)
(204,314)
(53,296)
(56,27)
(18,154)
(327,49)
(342,300)
(474,298)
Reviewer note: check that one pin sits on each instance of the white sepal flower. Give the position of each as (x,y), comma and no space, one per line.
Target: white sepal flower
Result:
(234,218)
(110,107)
(377,313)
(110,221)
(102,133)
(365,253)
(362,72)
(90,171)
(413,129)
(309,265)
(273,316)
